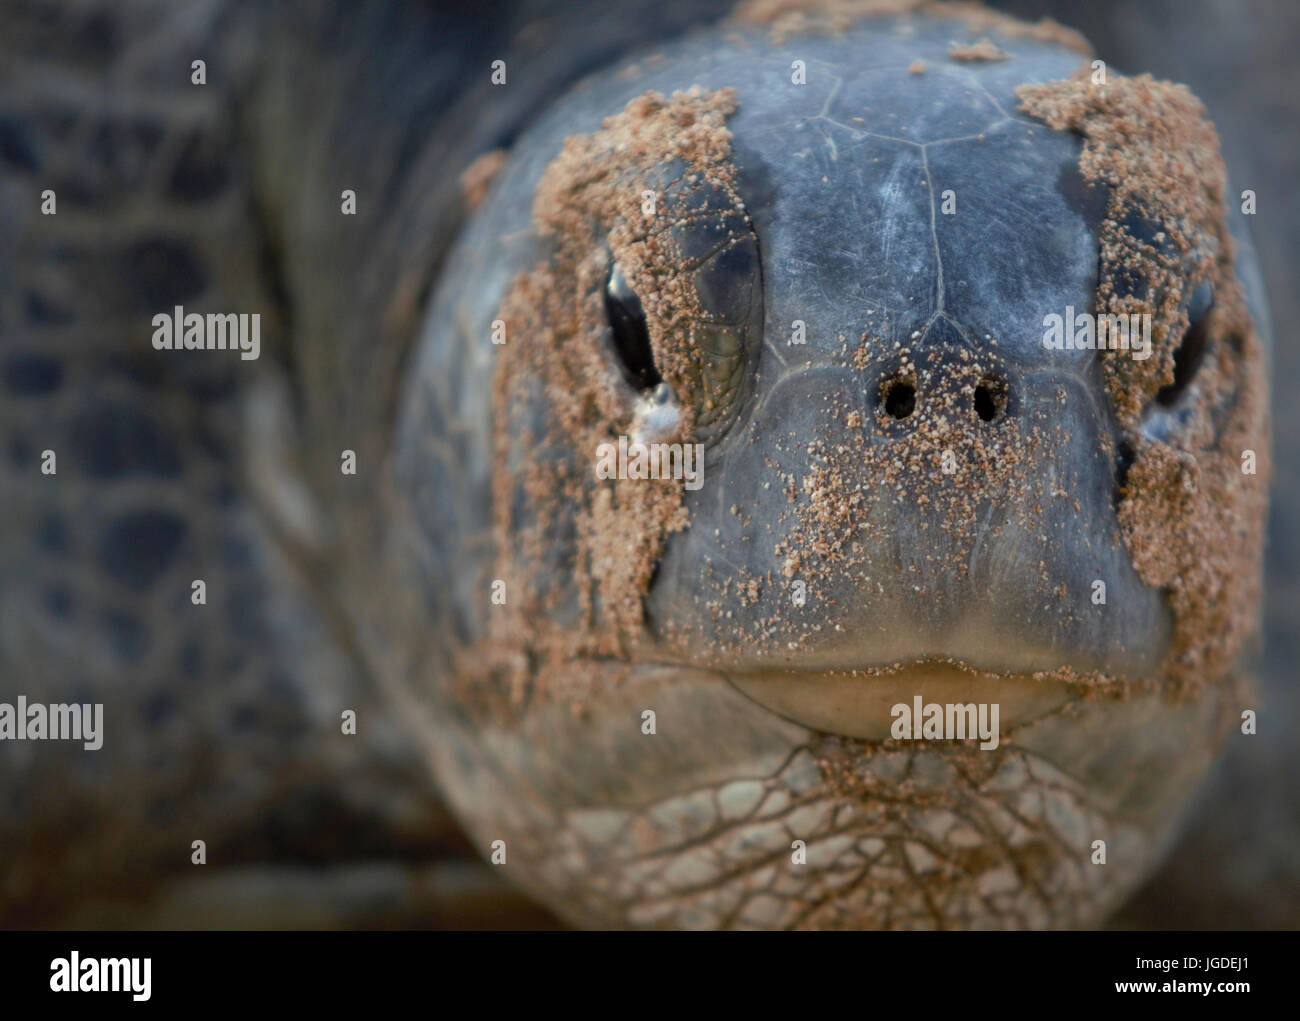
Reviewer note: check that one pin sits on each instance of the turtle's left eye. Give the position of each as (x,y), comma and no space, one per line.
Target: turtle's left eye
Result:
(631,336)
(1191,351)
(700,326)
(718,252)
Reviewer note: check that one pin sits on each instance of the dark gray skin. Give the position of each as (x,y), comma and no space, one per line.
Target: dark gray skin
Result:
(692,827)
(247,755)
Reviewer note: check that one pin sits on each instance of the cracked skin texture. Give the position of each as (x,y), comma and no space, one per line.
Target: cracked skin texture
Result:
(538,742)
(646,832)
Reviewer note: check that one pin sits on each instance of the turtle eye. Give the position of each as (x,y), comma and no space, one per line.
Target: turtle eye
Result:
(631,336)
(1191,351)
(719,251)
(700,263)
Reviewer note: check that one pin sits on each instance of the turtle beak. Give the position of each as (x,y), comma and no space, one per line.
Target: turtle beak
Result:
(937,505)
(865,704)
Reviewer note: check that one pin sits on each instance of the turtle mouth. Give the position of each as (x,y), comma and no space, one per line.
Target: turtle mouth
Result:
(865,703)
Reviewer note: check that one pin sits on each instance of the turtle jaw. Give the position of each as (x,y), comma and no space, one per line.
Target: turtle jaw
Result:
(692,822)
(864,704)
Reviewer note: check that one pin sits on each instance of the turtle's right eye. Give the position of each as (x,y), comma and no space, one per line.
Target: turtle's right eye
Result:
(630,334)
(1191,351)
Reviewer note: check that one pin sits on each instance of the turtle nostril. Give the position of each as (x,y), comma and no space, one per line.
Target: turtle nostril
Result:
(990,399)
(900,397)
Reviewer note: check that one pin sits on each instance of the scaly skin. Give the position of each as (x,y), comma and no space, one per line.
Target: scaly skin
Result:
(611,826)
(693,825)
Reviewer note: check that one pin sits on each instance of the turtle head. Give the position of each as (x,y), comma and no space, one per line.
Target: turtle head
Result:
(798,418)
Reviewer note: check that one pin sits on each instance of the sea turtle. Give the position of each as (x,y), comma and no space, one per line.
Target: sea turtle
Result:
(811,252)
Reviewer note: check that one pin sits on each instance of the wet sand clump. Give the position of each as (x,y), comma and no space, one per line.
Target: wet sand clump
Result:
(578,552)
(1191,518)
(982,50)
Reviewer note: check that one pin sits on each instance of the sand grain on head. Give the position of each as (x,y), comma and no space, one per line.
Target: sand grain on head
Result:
(1192,520)
(581,551)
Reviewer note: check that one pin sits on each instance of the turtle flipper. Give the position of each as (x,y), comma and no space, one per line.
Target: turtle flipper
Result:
(123,488)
